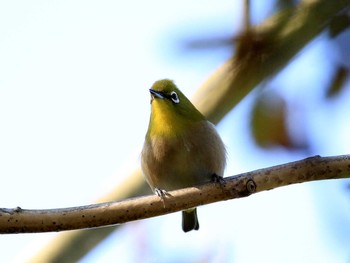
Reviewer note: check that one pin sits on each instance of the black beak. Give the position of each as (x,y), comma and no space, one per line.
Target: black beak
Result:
(156,94)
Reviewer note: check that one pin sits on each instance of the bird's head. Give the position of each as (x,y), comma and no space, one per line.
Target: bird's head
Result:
(170,107)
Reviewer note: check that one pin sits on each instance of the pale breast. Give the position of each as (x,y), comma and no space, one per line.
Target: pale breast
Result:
(184,160)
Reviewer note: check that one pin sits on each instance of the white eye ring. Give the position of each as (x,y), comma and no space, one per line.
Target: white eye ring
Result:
(174,97)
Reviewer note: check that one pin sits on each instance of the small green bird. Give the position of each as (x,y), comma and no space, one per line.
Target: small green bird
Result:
(181,149)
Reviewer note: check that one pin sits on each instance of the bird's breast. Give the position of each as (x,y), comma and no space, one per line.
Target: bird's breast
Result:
(183,159)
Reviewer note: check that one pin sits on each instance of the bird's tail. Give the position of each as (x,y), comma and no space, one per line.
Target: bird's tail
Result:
(190,220)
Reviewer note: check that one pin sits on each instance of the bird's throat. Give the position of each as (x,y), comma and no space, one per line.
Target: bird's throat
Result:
(165,122)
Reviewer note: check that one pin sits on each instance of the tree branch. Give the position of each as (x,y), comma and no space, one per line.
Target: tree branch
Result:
(19,220)
(263,52)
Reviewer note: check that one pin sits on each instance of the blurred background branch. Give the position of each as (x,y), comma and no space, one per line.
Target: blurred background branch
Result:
(262,52)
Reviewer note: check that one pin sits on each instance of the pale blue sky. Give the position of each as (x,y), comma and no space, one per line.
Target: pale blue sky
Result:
(74,108)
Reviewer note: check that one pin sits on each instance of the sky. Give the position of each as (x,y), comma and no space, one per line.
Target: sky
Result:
(74,109)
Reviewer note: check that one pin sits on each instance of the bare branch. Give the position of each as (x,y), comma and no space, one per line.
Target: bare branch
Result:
(19,220)
(246,17)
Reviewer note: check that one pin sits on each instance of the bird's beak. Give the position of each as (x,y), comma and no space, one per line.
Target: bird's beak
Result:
(156,94)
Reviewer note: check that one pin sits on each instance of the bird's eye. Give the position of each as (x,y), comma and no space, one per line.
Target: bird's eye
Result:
(174,97)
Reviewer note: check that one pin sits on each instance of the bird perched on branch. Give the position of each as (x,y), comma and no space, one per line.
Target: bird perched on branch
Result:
(181,149)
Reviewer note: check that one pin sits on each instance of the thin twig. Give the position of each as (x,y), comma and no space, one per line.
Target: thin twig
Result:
(246,14)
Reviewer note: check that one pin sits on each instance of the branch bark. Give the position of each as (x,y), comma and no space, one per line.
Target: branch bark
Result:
(19,220)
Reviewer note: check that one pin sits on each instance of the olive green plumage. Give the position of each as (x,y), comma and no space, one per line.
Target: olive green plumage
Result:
(181,149)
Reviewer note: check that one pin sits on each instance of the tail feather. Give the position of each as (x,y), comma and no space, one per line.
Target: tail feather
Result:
(190,220)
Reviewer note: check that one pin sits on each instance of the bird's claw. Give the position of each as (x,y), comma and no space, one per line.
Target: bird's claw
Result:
(160,192)
(218,179)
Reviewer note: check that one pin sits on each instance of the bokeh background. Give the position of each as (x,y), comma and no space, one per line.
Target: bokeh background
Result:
(74,109)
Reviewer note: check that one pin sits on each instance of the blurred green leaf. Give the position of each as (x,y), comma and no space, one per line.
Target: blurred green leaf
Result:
(268,121)
(338,81)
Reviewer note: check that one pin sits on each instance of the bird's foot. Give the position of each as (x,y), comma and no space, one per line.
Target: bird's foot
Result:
(161,193)
(218,179)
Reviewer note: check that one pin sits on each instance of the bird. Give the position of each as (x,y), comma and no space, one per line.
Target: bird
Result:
(182,148)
